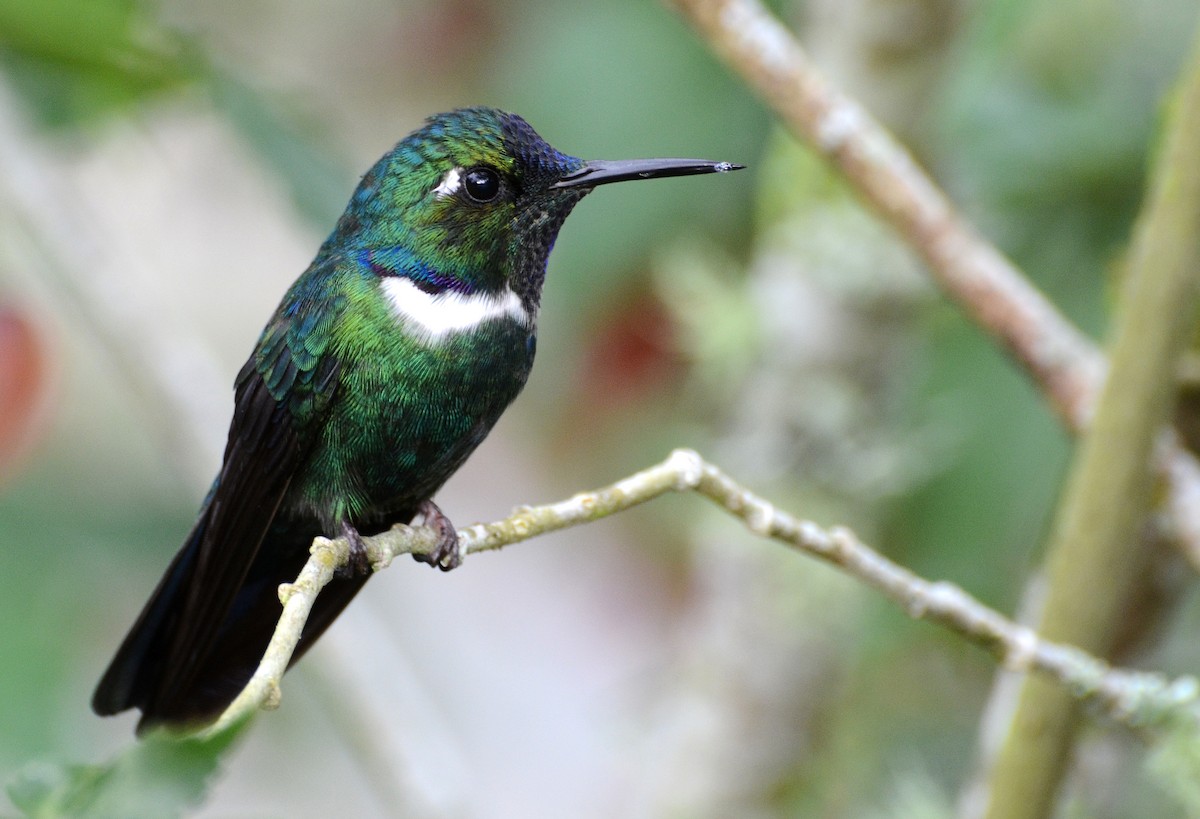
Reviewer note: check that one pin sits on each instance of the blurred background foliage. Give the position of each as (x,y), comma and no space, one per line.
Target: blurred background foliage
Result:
(167,168)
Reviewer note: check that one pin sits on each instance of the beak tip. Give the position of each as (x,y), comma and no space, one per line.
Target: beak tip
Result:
(599,172)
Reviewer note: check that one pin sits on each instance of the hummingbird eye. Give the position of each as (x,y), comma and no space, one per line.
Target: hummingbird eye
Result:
(481,184)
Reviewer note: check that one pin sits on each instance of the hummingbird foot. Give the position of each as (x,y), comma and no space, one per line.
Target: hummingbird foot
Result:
(358,565)
(446,556)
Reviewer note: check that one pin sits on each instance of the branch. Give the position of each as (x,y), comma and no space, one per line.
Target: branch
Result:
(1067,367)
(756,45)
(1132,698)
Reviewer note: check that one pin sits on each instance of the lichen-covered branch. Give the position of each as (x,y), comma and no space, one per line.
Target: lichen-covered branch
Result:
(1067,367)
(1133,698)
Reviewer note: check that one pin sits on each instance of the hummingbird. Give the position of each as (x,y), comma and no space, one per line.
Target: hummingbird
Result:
(386,364)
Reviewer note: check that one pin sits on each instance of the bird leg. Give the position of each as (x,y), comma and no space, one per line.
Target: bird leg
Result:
(446,555)
(358,564)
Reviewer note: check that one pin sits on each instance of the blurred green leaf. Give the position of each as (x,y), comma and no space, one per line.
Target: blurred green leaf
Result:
(1045,129)
(72,60)
(158,776)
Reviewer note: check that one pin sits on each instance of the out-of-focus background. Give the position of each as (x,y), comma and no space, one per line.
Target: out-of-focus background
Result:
(167,169)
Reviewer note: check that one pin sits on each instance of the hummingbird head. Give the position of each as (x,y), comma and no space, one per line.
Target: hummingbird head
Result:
(472,202)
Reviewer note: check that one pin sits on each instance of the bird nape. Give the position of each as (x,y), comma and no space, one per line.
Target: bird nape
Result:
(384,366)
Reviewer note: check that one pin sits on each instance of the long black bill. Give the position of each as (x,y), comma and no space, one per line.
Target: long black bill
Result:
(601,172)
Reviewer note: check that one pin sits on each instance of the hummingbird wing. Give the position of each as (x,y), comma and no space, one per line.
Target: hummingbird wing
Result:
(171,663)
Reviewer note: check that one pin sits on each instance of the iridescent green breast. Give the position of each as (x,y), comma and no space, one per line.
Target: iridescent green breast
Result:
(417,393)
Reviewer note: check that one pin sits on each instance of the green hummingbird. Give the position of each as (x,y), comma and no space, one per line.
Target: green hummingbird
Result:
(385,365)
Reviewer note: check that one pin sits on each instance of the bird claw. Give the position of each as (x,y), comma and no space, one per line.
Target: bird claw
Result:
(446,555)
(358,564)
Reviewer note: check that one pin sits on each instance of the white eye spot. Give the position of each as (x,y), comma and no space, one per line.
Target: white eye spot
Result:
(449,184)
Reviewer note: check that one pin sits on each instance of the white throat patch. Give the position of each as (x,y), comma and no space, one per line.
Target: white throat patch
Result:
(440,314)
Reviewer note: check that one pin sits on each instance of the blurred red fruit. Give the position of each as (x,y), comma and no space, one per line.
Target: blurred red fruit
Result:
(24,382)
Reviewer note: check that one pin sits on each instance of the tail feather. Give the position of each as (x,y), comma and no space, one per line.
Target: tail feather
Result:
(135,677)
(132,674)
(240,648)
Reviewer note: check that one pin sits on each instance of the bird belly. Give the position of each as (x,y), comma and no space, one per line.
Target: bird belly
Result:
(406,417)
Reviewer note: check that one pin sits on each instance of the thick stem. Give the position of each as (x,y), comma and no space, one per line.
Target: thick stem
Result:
(1094,555)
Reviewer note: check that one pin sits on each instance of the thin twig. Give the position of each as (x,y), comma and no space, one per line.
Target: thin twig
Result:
(1132,698)
(1067,367)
